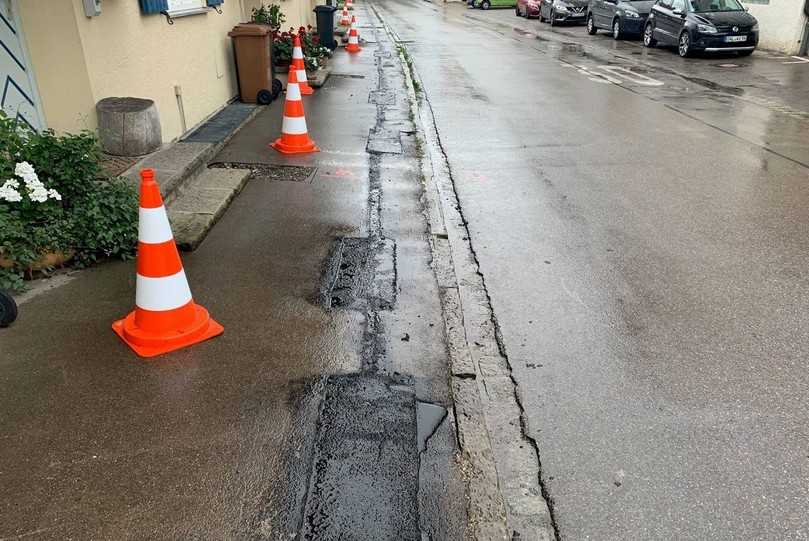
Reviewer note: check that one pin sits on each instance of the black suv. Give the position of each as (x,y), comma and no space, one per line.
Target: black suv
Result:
(620,17)
(701,25)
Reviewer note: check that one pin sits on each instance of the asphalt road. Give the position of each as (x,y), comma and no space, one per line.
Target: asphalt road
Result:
(643,237)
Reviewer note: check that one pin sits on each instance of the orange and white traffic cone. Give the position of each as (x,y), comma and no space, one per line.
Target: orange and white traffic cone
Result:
(294,137)
(165,318)
(353,41)
(349,4)
(344,20)
(354,25)
(300,67)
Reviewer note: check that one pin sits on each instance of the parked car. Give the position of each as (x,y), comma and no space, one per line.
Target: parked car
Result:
(527,8)
(470,3)
(563,11)
(701,25)
(620,17)
(486,4)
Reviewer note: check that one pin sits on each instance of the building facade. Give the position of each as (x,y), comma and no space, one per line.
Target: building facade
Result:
(60,57)
(784,26)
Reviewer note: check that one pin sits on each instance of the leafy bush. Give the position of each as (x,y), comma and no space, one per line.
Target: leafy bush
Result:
(54,197)
(270,15)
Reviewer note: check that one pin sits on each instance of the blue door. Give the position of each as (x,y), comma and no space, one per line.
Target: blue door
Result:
(19,98)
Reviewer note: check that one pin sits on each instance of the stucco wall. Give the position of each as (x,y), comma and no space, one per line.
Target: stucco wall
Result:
(79,60)
(57,55)
(781,24)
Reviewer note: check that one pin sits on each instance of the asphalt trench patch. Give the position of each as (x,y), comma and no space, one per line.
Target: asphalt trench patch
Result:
(272,173)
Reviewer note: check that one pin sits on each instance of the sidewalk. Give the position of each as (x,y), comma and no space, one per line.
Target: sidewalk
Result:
(226,440)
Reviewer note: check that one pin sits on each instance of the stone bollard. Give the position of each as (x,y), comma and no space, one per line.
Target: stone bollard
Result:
(128,126)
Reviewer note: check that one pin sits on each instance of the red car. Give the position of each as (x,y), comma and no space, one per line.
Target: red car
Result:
(527,8)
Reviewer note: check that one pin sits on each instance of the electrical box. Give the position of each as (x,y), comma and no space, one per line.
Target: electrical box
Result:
(92,8)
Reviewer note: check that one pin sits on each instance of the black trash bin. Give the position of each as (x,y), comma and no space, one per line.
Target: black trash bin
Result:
(325,25)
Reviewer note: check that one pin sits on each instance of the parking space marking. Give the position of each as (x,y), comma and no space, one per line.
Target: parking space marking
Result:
(800,60)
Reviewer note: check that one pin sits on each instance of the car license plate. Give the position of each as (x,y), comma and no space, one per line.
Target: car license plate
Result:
(734,39)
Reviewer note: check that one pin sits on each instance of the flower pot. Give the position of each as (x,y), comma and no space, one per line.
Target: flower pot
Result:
(48,259)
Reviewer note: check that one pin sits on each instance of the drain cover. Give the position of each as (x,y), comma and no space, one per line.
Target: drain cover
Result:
(263,171)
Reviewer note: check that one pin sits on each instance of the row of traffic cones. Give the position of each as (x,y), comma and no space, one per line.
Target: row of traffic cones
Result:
(165,317)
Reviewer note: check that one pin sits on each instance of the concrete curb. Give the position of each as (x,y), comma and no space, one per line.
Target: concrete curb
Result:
(505,496)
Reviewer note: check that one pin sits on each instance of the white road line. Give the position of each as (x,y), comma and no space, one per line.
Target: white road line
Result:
(801,60)
(631,76)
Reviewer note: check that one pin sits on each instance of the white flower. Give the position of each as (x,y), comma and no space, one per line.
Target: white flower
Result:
(12,182)
(40,195)
(53,194)
(24,170)
(7,193)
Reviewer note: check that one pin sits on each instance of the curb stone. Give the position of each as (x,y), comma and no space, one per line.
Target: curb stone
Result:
(506,499)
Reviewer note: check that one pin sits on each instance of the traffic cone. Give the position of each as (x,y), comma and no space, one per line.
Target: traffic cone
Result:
(349,4)
(166,317)
(300,67)
(354,25)
(294,137)
(344,20)
(353,41)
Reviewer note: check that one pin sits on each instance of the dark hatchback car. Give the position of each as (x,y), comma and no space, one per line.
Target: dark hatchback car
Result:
(620,17)
(562,11)
(701,25)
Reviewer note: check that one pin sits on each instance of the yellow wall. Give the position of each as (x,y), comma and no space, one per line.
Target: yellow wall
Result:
(58,58)
(79,60)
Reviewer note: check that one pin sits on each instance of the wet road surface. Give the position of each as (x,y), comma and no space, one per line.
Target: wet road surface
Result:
(645,248)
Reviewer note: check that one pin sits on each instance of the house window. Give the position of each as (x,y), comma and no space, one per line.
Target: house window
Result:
(177,7)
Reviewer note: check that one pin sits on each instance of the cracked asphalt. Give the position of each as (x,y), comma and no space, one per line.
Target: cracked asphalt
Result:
(641,225)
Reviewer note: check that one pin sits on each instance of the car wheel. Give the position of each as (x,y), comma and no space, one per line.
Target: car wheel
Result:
(552,18)
(591,26)
(485,4)
(649,36)
(616,29)
(684,47)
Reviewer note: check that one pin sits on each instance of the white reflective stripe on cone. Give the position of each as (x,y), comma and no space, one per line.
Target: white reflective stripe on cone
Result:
(293,125)
(301,76)
(297,53)
(293,92)
(353,39)
(162,294)
(153,226)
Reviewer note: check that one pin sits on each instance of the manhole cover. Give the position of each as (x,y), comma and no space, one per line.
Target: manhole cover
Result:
(264,171)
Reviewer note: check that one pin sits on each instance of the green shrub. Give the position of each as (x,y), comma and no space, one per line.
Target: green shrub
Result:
(55,197)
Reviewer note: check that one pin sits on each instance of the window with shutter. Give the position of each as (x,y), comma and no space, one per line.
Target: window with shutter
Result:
(178,6)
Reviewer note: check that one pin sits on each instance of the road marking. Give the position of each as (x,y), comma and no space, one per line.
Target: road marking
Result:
(800,60)
(598,77)
(631,76)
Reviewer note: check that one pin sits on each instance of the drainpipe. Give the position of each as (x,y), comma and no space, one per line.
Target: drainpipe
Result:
(178,91)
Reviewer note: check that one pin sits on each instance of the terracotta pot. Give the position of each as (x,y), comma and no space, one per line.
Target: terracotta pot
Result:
(48,259)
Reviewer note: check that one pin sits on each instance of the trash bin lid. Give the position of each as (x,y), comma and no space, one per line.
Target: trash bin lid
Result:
(324,8)
(249,29)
